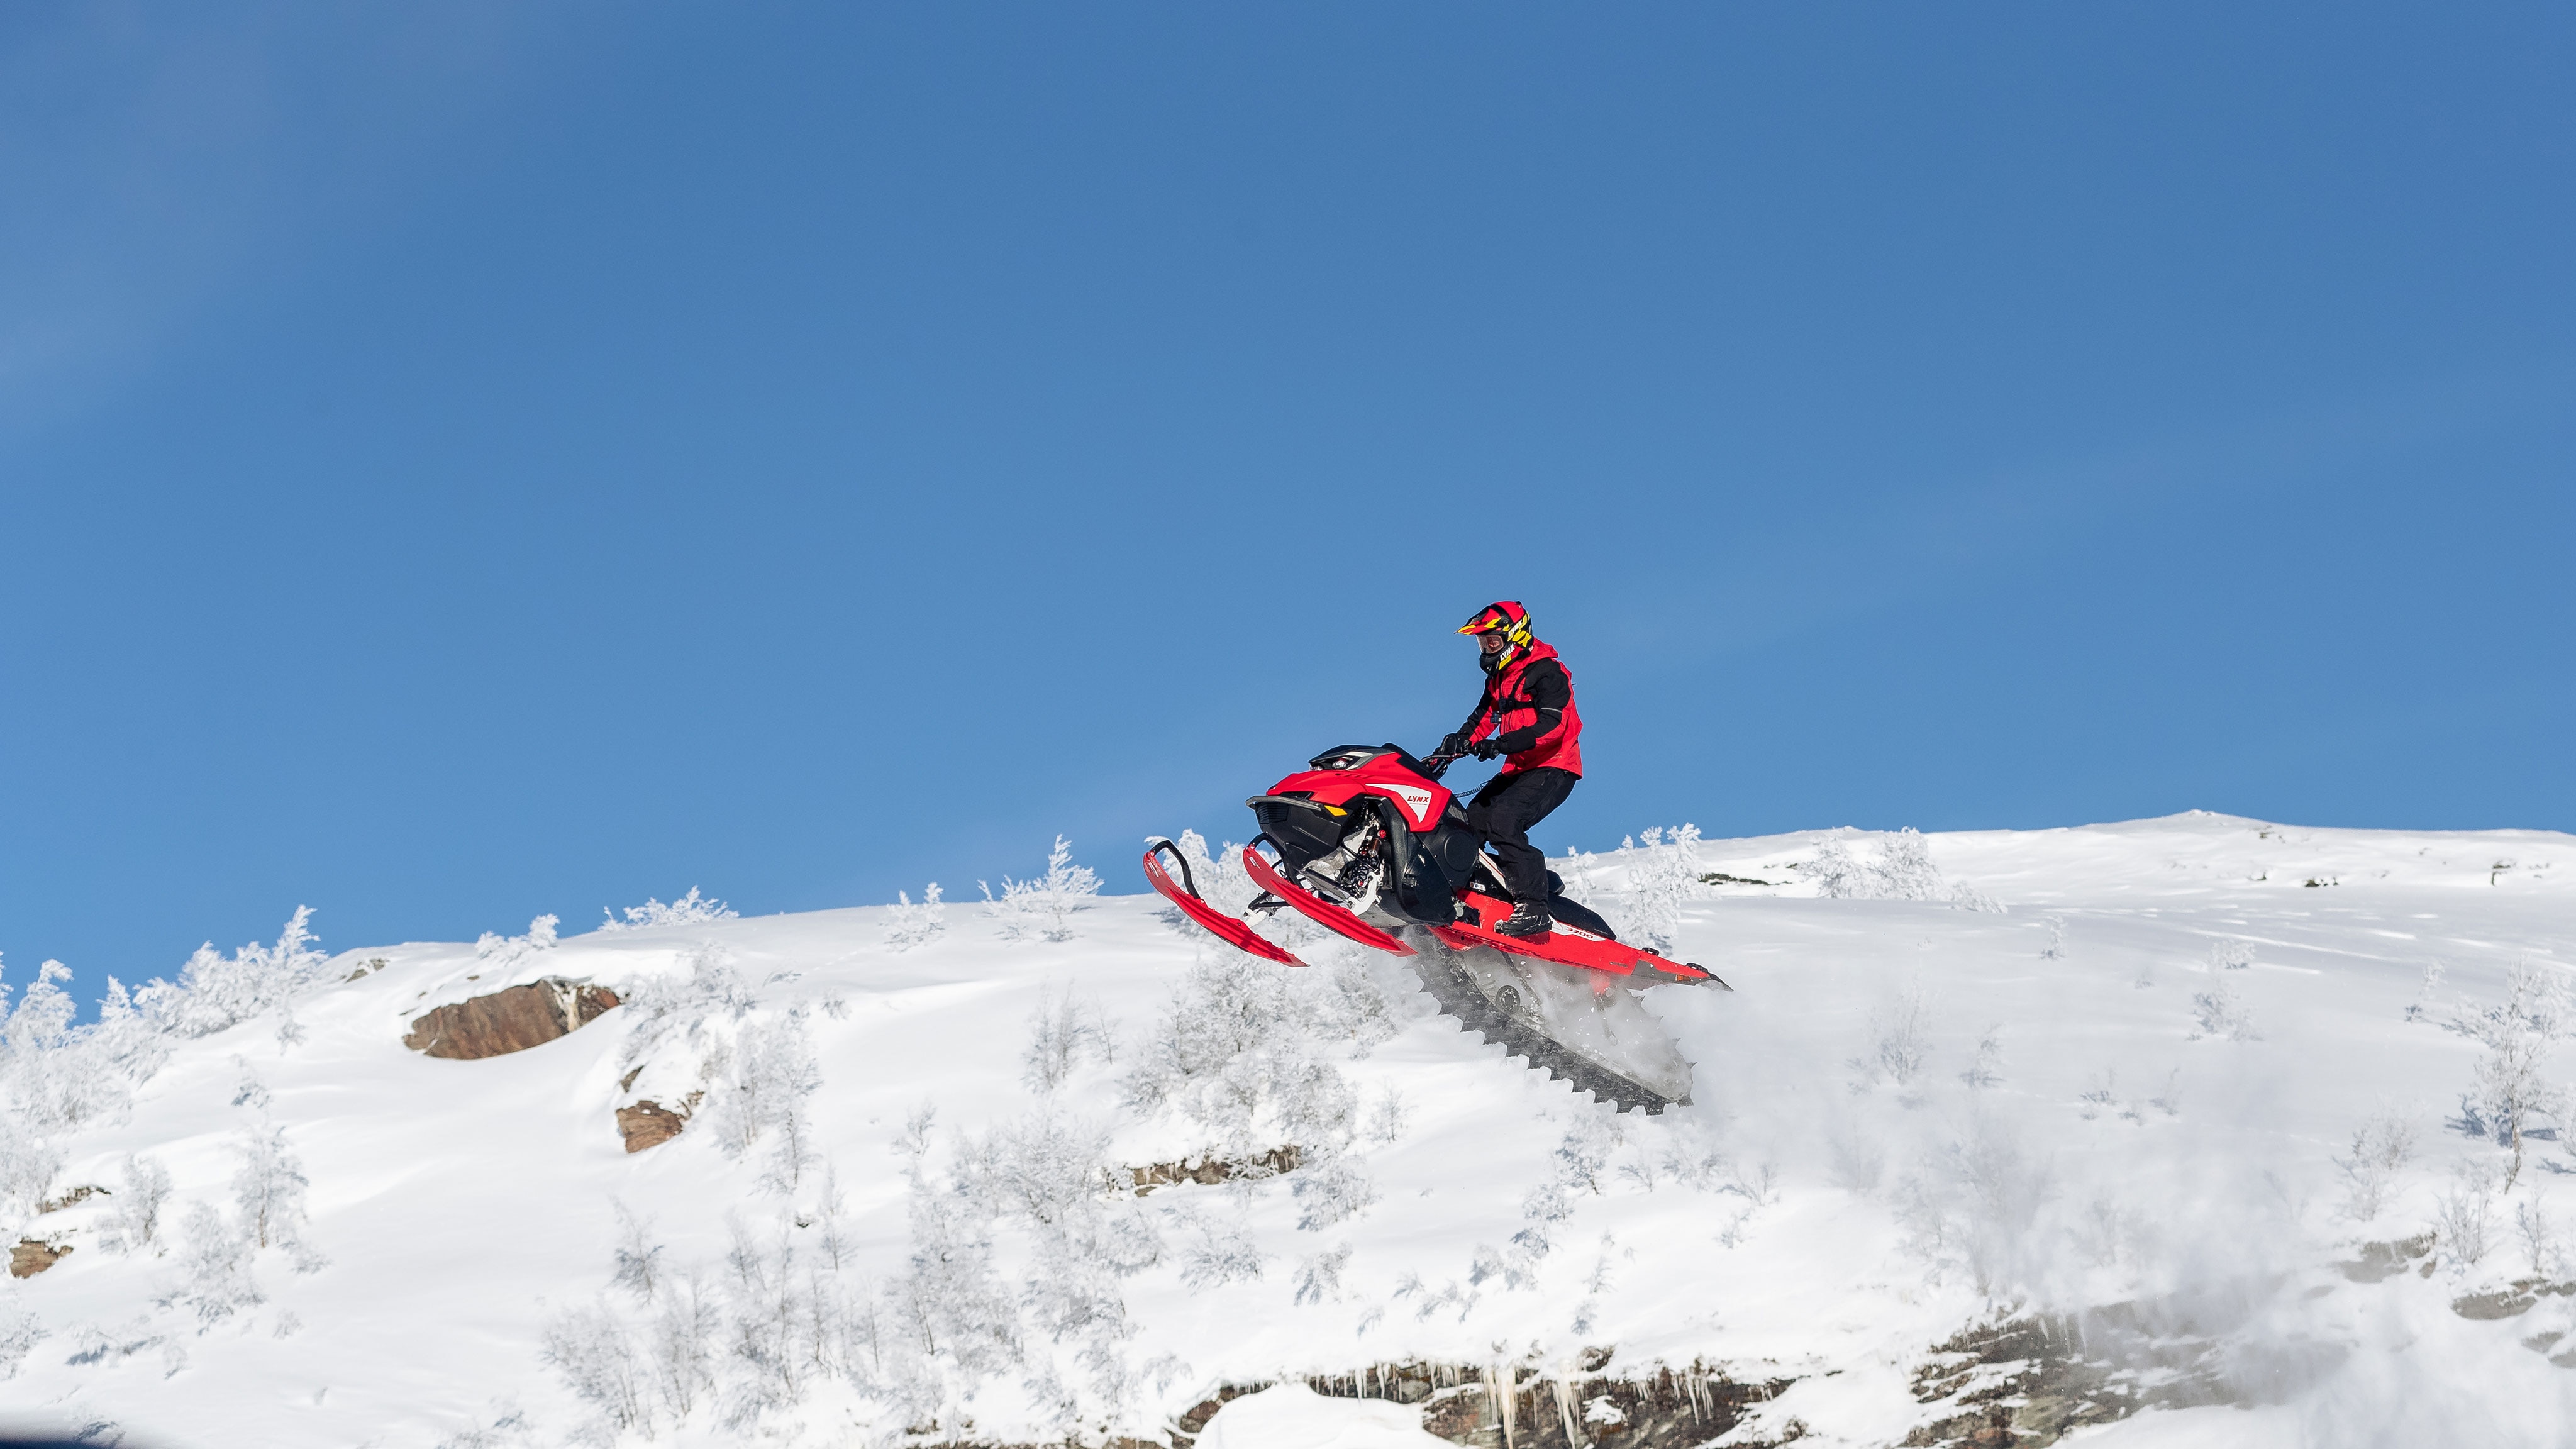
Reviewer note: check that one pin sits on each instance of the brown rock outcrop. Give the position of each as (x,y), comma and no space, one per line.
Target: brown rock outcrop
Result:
(649,1124)
(506,1021)
(1213,1169)
(32,1257)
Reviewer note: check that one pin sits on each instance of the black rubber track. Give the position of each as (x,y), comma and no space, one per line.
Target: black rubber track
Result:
(1437,968)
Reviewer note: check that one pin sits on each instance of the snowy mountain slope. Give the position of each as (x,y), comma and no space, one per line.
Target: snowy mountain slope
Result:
(2140,1085)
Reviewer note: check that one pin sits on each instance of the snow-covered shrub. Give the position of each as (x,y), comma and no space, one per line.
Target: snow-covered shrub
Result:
(2519,1033)
(20,1331)
(134,1213)
(1240,1053)
(1044,907)
(638,1257)
(54,1076)
(1898,868)
(1063,1034)
(1319,1277)
(1331,1191)
(1662,869)
(1985,1069)
(683,1004)
(2539,1234)
(916,925)
(28,1166)
(1900,1038)
(689,910)
(215,991)
(2464,1216)
(591,1349)
(501,953)
(1215,1254)
(2381,1147)
(214,1269)
(2220,1011)
(2431,982)
(268,1192)
(764,1079)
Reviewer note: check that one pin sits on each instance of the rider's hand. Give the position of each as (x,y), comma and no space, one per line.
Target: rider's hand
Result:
(1486,749)
(1453,746)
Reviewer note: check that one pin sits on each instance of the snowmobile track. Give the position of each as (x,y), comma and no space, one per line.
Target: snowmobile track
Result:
(1458,996)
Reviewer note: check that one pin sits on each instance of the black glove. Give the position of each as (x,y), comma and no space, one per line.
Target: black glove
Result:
(1452,746)
(1487,749)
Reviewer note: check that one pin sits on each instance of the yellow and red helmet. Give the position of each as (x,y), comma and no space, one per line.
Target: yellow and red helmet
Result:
(1506,618)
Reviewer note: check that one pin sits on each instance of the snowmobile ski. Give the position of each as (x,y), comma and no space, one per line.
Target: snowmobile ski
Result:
(1184,893)
(1315,908)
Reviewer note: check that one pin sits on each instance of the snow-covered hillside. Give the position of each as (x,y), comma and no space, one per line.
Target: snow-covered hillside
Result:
(2218,1114)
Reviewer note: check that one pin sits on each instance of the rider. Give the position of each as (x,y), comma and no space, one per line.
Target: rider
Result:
(1527,716)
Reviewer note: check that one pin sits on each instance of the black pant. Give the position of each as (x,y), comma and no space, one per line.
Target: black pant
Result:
(1504,811)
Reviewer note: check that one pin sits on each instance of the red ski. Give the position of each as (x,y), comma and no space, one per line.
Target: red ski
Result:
(1185,894)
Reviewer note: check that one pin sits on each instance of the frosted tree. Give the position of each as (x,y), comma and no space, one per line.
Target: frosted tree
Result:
(639,1258)
(1663,873)
(268,1193)
(215,991)
(917,925)
(501,953)
(2519,1034)
(689,910)
(1044,907)
(20,1331)
(590,1348)
(1899,868)
(134,1215)
(214,1268)
(769,1073)
(1063,1034)
(689,1005)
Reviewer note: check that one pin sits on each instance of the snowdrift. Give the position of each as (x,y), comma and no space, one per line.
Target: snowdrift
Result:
(2187,1130)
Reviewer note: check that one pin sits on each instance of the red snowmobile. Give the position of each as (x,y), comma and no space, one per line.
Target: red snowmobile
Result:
(1369,845)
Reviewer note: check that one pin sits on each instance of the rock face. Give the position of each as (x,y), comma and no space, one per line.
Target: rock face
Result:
(31,1257)
(509,1021)
(649,1124)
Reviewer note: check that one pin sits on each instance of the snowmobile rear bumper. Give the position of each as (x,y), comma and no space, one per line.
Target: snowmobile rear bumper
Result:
(1237,933)
(1315,908)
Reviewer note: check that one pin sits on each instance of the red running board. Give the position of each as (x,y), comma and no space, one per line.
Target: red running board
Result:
(1563,945)
(1315,908)
(1237,933)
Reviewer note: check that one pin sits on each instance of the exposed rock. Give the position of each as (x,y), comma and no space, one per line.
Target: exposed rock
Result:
(2510,1302)
(2382,1261)
(650,1124)
(32,1257)
(510,1020)
(82,1193)
(1212,1170)
(1662,1409)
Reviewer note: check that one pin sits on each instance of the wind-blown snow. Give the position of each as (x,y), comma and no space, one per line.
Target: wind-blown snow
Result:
(2173,1071)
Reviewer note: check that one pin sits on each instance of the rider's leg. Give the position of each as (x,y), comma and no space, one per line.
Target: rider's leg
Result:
(1504,811)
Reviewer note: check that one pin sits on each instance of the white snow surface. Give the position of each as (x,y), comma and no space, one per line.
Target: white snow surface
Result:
(1911,1117)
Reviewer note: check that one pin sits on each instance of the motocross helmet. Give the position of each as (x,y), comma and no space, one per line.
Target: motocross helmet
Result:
(1507,618)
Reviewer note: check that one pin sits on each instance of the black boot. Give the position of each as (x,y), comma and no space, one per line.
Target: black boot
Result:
(1528,918)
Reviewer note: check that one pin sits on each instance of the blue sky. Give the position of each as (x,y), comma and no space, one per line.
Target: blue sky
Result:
(461,464)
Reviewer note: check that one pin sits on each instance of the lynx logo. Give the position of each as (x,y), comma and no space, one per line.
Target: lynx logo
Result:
(1417,801)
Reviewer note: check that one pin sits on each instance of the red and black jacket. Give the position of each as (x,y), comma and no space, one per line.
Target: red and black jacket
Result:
(1528,708)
